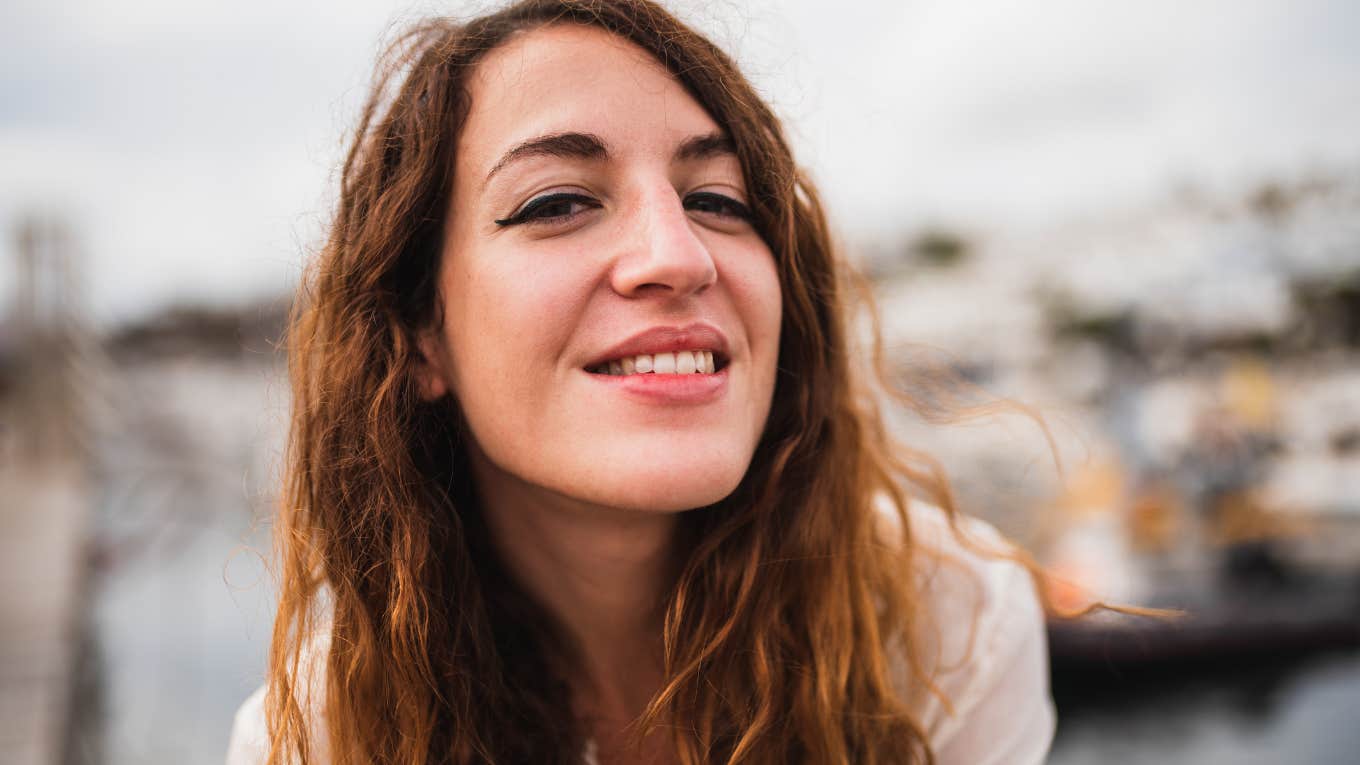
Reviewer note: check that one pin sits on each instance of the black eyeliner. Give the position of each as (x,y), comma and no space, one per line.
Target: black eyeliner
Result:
(737,209)
(525,213)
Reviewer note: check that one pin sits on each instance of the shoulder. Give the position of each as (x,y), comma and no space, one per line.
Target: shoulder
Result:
(249,742)
(981,640)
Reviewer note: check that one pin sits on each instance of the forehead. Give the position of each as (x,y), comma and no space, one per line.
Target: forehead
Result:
(569,77)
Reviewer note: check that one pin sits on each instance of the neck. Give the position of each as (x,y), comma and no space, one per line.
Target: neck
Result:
(601,572)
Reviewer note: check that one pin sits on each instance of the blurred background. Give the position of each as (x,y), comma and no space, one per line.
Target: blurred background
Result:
(1142,220)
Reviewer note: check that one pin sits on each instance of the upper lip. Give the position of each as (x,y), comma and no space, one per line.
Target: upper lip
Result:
(667,339)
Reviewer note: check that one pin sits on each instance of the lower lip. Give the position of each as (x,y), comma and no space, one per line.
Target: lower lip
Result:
(670,390)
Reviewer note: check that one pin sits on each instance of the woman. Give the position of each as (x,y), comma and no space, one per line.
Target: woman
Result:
(580,466)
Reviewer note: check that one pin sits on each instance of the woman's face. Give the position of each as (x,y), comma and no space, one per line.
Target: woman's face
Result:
(598,220)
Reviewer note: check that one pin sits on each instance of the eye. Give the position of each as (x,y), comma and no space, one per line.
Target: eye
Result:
(550,208)
(717,204)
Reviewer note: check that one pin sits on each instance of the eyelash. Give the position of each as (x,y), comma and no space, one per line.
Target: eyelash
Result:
(530,213)
(728,207)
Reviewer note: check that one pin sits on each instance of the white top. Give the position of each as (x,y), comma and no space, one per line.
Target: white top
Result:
(988,652)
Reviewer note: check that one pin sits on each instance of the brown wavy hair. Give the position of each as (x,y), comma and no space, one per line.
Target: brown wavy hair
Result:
(791,621)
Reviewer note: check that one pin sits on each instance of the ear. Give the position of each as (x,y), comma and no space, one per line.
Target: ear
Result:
(431,369)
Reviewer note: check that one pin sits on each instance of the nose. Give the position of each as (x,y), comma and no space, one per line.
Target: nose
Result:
(661,253)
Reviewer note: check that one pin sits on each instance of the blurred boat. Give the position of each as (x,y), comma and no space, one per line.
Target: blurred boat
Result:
(1256,606)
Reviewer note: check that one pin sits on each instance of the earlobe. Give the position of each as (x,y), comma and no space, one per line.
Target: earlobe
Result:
(430,378)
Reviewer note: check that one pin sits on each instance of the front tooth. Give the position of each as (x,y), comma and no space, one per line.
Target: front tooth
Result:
(664,364)
(615,368)
(684,363)
(702,358)
(628,367)
(643,364)
(708,360)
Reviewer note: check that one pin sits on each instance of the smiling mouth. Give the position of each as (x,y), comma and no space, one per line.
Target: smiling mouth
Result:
(695,362)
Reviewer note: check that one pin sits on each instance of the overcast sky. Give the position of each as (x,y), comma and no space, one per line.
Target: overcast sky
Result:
(193,144)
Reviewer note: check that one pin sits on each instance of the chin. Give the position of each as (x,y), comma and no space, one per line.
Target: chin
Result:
(685,481)
(656,472)
(657,498)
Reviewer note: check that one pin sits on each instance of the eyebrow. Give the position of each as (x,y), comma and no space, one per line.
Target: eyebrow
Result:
(705,147)
(589,146)
(569,145)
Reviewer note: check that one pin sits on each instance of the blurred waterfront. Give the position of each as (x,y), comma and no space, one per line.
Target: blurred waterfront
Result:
(1210,439)
(160,443)
(1022,187)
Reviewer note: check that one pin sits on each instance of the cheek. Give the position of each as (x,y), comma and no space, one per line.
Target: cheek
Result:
(759,300)
(772,297)
(506,325)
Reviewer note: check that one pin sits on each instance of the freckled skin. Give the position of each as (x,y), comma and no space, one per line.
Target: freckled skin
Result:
(526,307)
